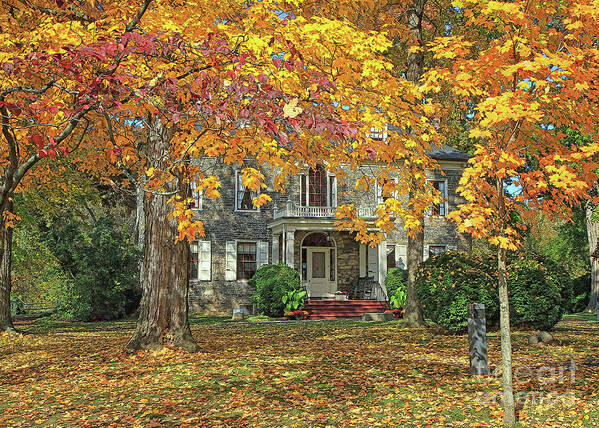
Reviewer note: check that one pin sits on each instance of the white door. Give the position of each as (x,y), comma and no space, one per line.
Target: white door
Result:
(319,272)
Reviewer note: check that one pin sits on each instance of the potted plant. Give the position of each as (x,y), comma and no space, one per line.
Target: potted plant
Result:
(398,303)
(294,303)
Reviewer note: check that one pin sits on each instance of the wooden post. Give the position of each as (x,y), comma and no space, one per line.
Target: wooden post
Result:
(477,336)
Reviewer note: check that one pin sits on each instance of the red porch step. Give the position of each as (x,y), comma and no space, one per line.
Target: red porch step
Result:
(342,309)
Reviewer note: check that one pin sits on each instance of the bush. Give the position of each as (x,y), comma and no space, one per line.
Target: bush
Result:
(579,299)
(17,306)
(448,282)
(396,278)
(271,283)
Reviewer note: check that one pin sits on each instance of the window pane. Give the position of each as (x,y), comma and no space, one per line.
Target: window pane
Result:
(390,256)
(244,196)
(332,264)
(193,260)
(318,264)
(317,186)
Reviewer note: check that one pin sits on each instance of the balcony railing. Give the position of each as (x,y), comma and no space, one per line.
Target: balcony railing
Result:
(291,209)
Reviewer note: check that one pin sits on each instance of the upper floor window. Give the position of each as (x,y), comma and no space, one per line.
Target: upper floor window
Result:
(197,196)
(440,209)
(243,196)
(318,189)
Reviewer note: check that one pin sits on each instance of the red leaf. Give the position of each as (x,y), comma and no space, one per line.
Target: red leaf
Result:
(64,151)
(38,141)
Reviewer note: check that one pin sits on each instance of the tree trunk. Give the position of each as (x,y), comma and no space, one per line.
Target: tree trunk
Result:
(509,409)
(415,60)
(593,238)
(506,342)
(414,316)
(163,314)
(5,278)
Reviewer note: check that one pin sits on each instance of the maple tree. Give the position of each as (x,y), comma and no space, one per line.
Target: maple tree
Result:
(524,71)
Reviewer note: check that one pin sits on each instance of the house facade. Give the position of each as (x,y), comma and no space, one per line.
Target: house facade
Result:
(298,229)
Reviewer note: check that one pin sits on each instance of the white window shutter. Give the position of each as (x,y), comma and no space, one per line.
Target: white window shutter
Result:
(401,256)
(231,261)
(362,260)
(373,262)
(425,253)
(262,253)
(204,260)
(334,191)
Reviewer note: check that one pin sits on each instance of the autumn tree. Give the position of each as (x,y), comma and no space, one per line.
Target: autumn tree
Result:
(524,71)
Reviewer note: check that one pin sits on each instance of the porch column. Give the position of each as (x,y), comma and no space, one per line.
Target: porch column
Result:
(382,269)
(275,249)
(289,241)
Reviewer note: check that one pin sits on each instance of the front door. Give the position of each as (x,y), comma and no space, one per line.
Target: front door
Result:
(319,271)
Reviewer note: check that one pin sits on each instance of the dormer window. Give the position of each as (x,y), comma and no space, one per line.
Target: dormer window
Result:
(318,189)
(378,134)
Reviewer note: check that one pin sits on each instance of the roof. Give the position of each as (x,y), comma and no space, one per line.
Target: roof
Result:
(446,153)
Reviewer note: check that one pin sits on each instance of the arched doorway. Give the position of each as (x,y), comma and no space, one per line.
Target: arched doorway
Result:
(319,264)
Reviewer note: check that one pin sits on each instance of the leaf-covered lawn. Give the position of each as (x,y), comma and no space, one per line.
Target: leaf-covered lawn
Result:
(297,374)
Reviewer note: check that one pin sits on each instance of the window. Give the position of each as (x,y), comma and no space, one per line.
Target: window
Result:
(436,249)
(243,196)
(318,189)
(197,196)
(440,209)
(200,261)
(246,260)
(382,196)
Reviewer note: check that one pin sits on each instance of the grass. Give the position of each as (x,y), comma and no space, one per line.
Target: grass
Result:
(339,373)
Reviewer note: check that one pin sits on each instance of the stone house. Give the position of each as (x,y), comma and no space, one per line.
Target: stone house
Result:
(298,229)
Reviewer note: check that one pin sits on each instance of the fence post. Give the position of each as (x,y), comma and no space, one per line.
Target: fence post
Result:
(477,337)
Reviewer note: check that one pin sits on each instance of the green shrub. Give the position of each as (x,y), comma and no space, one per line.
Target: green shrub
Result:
(538,291)
(104,267)
(448,282)
(396,278)
(271,283)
